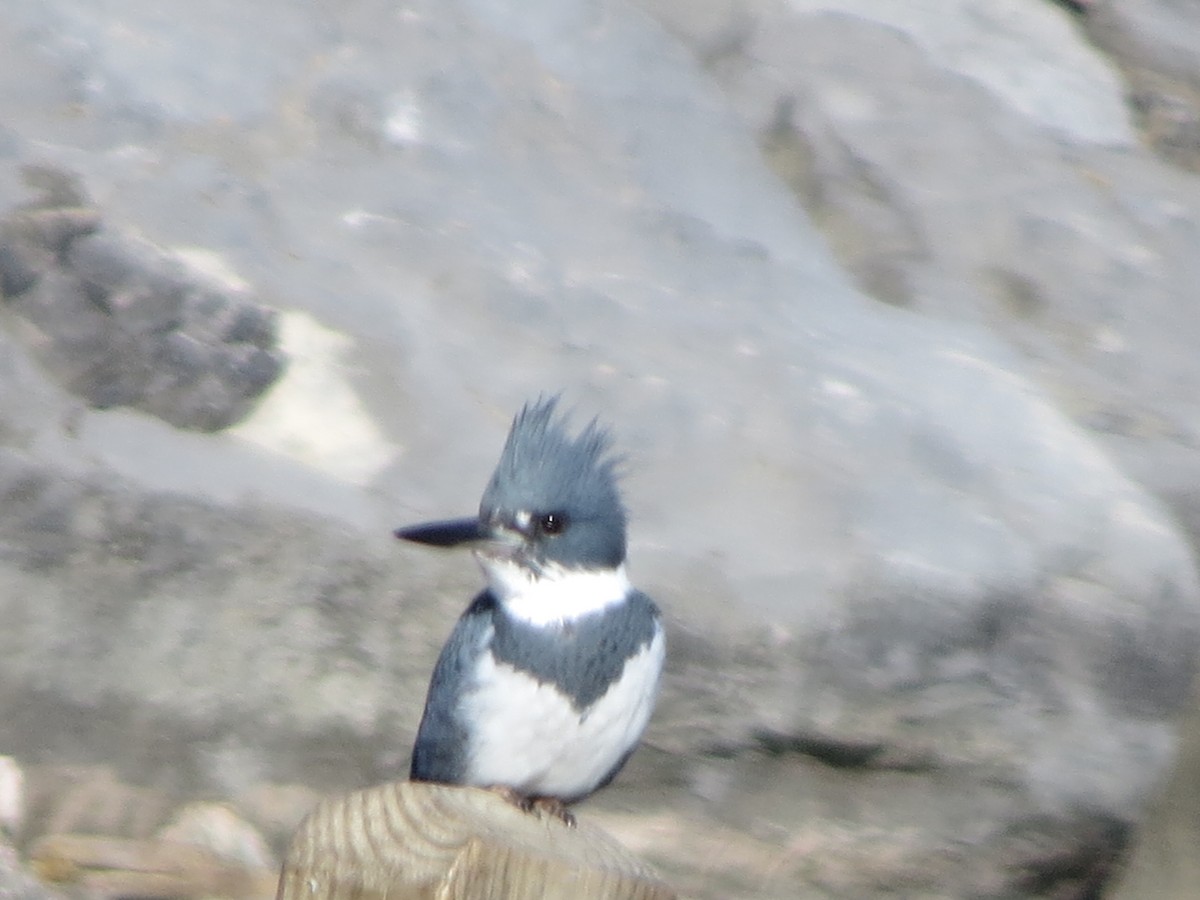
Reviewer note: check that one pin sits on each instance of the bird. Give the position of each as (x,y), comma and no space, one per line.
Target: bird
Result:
(548,680)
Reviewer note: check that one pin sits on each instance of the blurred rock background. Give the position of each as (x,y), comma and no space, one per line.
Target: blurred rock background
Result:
(892,309)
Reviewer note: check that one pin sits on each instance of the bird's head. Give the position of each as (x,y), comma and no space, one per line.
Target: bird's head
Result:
(551,506)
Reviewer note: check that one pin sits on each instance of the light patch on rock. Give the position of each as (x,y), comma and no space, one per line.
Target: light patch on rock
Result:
(314,416)
(205,265)
(1108,340)
(1139,517)
(404,125)
(361,218)
(1060,439)
(12,796)
(847,399)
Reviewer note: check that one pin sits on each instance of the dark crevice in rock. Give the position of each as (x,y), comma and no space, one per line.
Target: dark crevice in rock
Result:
(1076,864)
(868,231)
(1163,75)
(846,753)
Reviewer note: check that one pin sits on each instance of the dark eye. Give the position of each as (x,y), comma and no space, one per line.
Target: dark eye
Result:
(552,523)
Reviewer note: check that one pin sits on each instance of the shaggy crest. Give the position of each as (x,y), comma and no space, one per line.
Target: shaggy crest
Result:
(544,468)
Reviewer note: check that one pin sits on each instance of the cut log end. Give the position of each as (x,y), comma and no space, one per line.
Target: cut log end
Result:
(419,840)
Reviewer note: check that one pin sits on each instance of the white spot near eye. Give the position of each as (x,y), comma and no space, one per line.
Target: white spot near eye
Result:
(522,519)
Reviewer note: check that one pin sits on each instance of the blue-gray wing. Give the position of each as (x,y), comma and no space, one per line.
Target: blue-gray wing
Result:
(440,751)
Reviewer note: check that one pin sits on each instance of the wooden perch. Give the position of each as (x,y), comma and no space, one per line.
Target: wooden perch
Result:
(410,840)
(109,867)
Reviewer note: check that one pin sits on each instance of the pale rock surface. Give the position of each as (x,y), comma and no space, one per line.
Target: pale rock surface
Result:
(892,316)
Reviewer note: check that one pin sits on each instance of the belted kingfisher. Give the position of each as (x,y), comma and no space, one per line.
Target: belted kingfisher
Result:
(546,683)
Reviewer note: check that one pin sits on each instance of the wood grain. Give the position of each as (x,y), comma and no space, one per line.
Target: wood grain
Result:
(417,840)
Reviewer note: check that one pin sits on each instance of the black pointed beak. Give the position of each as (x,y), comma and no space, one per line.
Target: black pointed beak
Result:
(449,533)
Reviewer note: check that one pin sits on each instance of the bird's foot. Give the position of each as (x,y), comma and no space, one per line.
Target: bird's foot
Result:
(538,806)
(513,797)
(552,806)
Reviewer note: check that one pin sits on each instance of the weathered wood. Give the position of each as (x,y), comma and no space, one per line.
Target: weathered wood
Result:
(109,867)
(406,840)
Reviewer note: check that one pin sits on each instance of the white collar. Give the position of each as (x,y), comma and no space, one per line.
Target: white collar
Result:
(555,594)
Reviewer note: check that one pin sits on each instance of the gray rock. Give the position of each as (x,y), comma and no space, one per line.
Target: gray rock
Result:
(949,198)
(927,636)
(121,323)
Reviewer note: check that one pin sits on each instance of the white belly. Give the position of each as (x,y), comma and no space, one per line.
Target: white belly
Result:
(527,735)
